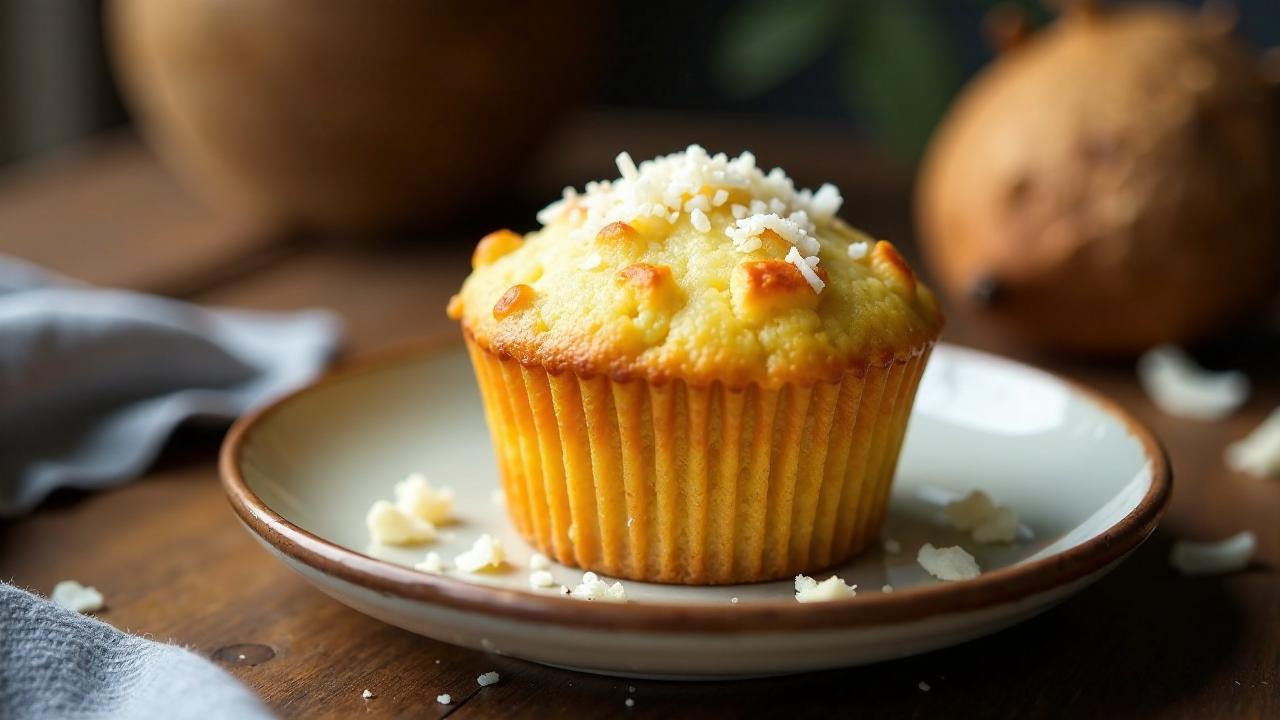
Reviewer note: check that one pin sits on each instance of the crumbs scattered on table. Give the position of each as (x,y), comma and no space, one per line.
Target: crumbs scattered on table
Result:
(366,694)
(1181,388)
(487,679)
(629,702)
(1212,558)
(924,686)
(538,561)
(444,698)
(1258,453)
(733,600)
(886,588)
(485,554)
(891,546)
(74,596)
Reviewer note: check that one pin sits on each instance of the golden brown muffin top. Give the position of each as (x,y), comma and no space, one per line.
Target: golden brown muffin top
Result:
(701,268)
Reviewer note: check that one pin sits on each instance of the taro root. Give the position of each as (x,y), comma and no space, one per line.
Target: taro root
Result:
(1109,183)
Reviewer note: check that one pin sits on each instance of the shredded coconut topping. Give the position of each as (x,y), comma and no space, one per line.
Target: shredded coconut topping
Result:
(693,182)
(806,267)
(1259,452)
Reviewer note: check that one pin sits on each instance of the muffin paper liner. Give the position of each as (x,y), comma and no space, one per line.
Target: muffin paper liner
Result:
(696,485)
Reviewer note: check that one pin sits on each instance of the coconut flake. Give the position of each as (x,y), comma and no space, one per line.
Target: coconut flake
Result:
(593,588)
(1001,526)
(74,596)
(627,166)
(680,182)
(390,525)
(700,221)
(948,563)
(1229,555)
(806,269)
(833,588)
(416,496)
(1180,387)
(1258,453)
(859,250)
(432,563)
(977,514)
(486,553)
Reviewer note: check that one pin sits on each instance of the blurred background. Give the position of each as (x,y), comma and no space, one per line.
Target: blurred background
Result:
(828,59)
(1073,198)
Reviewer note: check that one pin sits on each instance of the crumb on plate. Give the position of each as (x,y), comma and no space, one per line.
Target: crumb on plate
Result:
(948,563)
(833,588)
(593,588)
(390,525)
(432,563)
(486,553)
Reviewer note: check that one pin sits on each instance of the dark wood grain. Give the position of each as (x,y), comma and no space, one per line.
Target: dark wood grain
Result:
(174,564)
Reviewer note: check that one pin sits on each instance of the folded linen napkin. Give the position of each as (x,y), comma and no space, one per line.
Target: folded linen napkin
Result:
(55,663)
(93,381)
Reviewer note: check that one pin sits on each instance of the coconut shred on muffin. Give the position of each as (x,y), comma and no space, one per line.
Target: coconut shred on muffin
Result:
(696,372)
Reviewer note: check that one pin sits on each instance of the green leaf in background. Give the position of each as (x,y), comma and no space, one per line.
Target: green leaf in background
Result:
(900,72)
(766,41)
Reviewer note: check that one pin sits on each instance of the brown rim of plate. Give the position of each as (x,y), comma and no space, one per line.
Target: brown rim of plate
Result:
(990,589)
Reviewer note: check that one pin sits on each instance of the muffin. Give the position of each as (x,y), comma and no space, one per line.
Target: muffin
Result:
(696,373)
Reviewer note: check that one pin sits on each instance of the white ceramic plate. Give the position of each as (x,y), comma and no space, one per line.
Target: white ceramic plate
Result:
(1087,481)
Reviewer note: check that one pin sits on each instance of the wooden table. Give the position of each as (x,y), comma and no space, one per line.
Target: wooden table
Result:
(174,564)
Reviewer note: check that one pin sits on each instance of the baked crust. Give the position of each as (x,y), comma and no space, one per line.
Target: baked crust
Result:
(657,301)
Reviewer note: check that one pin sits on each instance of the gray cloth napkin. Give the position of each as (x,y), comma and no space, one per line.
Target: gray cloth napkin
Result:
(93,381)
(55,663)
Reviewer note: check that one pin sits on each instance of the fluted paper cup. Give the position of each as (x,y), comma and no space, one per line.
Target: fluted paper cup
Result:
(676,483)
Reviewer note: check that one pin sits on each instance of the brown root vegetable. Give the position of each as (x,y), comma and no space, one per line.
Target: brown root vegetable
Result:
(1110,183)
